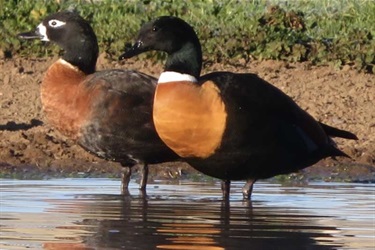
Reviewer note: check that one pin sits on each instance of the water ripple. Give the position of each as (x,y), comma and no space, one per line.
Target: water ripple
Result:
(90,214)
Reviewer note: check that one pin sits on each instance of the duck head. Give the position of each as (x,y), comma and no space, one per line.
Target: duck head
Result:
(175,37)
(73,34)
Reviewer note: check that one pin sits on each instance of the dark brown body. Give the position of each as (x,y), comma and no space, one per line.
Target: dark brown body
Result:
(260,133)
(109,113)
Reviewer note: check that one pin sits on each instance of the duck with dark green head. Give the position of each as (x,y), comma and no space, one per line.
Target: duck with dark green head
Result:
(228,125)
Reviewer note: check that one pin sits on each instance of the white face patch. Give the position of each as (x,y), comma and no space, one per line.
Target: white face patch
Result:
(43,32)
(42,29)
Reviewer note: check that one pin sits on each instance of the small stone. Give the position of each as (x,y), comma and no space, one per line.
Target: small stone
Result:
(346,68)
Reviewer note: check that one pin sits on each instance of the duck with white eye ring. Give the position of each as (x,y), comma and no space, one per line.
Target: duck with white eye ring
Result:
(107,112)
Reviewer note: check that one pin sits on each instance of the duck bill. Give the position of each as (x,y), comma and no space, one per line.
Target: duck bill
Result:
(134,50)
(30,35)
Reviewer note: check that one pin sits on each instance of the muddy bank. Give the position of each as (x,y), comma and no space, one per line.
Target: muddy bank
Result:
(342,98)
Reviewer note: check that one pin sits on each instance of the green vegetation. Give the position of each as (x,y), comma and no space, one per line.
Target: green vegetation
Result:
(337,32)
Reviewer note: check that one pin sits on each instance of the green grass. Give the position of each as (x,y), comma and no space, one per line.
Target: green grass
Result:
(336,32)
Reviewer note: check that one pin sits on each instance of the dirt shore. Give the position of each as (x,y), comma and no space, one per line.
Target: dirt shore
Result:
(343,98)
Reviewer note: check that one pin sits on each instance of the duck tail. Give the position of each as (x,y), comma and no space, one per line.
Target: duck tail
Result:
(332,151)
(335,132)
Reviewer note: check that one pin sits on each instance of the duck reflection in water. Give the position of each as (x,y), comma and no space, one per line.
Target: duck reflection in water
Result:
(157,222)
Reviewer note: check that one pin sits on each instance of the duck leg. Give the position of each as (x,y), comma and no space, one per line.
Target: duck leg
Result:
(126,174)
(144,176)
(248,189)
(225,188)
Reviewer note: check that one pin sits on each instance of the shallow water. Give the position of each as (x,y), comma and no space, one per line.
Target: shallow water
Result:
(90,214)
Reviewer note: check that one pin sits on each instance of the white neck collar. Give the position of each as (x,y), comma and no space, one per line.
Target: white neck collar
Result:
(62,61)
(171,76)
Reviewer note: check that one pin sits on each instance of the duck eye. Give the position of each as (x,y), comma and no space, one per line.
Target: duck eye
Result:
(154,28)
(55,23)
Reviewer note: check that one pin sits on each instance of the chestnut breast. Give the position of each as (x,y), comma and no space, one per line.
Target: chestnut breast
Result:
(189,118)
(65,100)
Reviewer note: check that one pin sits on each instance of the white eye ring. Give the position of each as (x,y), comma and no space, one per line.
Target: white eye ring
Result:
(54,23)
